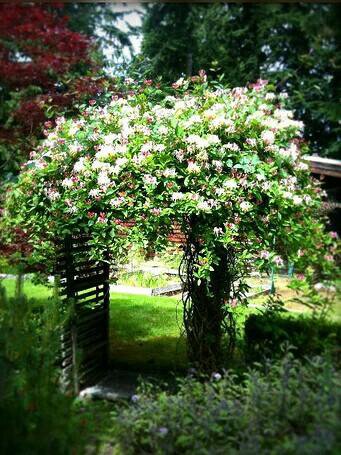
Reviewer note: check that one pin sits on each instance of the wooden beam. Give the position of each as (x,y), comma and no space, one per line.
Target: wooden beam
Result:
(324,166)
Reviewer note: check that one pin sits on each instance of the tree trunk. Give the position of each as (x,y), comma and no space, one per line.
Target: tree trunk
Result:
(205,309)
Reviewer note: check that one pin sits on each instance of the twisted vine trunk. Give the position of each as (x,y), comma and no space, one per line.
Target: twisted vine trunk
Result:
(206,316)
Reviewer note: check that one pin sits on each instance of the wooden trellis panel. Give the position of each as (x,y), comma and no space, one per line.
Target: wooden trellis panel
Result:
(84,288)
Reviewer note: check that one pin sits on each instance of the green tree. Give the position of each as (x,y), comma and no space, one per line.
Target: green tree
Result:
(168,45)
(295,46)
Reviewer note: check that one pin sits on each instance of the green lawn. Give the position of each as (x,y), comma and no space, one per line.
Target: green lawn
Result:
(145,331)
(39,292)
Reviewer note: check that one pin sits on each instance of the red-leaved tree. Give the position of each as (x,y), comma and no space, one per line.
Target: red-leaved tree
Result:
(46,69)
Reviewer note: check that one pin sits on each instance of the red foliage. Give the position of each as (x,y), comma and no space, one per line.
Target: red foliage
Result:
(38,48)
(18,246)
(44,47)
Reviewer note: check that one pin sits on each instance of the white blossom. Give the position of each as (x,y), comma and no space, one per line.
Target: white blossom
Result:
(67,183)
(245,206)
(103,179)
(150,179)
(268,137)
(178,196)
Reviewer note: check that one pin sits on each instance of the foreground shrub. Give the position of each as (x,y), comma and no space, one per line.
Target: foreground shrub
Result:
(281,408)
(266,333)
(35,416)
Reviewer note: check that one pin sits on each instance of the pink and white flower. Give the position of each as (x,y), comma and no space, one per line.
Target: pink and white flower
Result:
(268,137)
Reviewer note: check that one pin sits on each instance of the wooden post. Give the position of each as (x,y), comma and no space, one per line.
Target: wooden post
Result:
(70,292)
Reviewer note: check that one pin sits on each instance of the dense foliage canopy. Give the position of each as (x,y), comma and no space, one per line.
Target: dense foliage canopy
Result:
(228,160)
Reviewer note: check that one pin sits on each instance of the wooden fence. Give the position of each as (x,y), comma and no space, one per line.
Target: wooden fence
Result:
(84,288)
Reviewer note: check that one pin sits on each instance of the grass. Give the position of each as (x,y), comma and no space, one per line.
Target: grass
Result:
(145,331)
(36,291)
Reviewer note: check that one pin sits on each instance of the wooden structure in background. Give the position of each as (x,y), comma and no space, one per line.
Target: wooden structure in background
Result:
(84,287)
(324,166)
(329,172)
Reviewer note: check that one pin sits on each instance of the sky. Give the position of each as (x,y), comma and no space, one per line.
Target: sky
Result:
(132,17)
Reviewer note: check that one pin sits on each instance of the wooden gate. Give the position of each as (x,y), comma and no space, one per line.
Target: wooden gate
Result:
(84,288)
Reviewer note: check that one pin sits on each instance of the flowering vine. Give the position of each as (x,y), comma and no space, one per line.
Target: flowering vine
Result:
(226,165)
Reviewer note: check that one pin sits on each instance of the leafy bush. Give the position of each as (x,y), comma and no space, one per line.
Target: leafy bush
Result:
(144,279)
(35,416)
(282,408)
(266,333)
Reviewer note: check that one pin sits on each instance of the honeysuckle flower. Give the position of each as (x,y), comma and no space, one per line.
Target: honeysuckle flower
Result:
(218,165)
(297,200)
(334,235)
(218,231)
(116,202)
(60,120)
(204,206)
(302,166)
(231,146)
(219,191)
(259,84)
(193,167)
(245,206)
(192,121)
(110,138)
(159,147)
(278,261)
(178,83)
(163,130)
(94,192)
(329,257)
(264,254)
(79,165)
(197,141)
(155,211)
(270,96)
(268,137)
(177,196)
(150,179)
(102,218)
(75,148)
(213,139)
(103,179)
(230,184)
(202,156)
(53,195)
(67,183)
(169,172)
(251,141)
